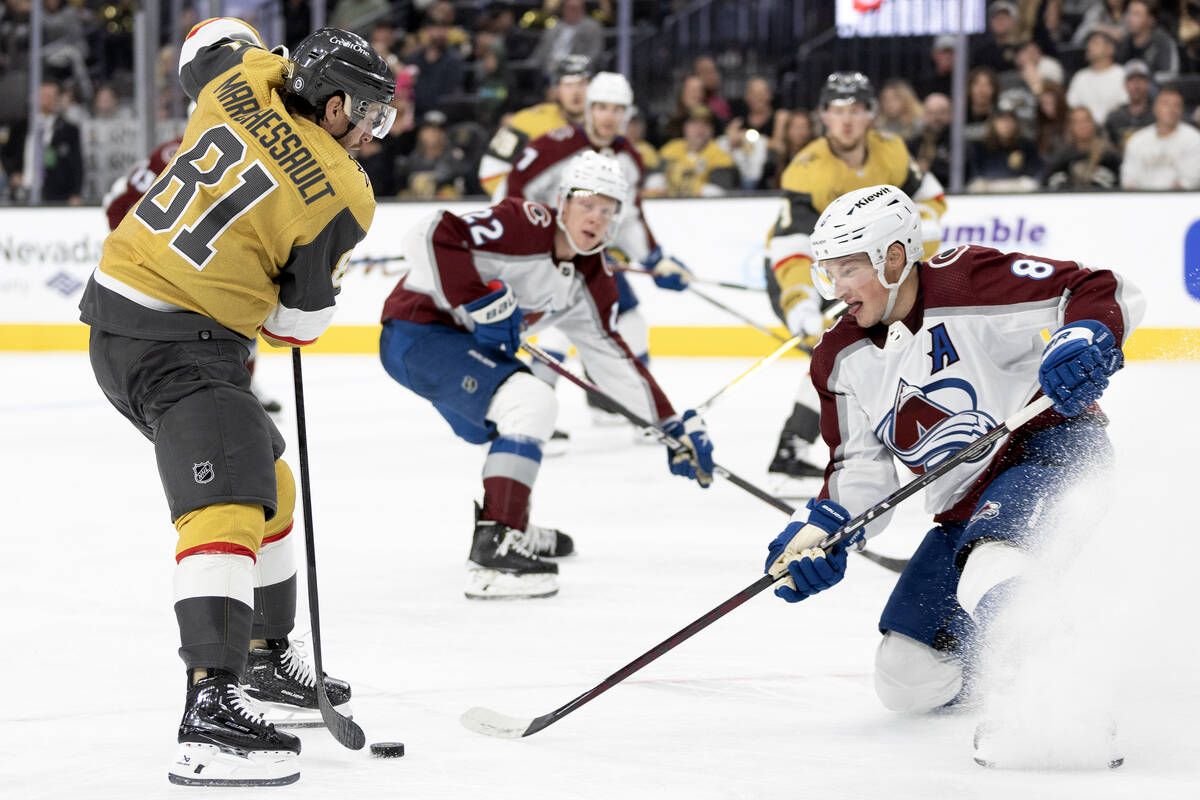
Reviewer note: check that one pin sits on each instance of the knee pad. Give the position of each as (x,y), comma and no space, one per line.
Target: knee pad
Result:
(989,564)
(221,528)
(912,676)
(636,333)
(524,406)
(285,502)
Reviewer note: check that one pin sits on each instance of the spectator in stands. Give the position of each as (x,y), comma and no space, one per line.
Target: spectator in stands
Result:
(982,93)
(705,68)
(793,134)
(1053,33)
(690,95)
(999,45)
(1146,41)
(440,68)
(694,165)
(1050,130)
(755,108)
(61,164)
(435,168)
(358,15)
(1165,155)
(1101,84)
(1086,161)
(1033,69)
(938,75)
(64,49)
(297,21)
(493,85)
(385,42)
(899,109)
(1107,16)
(635,132)
(931,147)
(575,33)
(1005,160)
(1137,113)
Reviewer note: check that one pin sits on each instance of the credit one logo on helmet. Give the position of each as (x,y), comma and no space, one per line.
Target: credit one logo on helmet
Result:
(1191,260)
(1004,233)
(340,42)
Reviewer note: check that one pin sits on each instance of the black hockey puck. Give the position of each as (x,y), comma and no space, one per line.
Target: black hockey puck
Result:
(387,749)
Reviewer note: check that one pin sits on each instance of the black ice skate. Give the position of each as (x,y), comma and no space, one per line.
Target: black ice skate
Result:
(224,742)
(283,687)
(502,566)
(793,469)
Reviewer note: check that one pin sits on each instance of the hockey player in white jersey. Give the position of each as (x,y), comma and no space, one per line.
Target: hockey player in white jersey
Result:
(929,356)
(538,172)
(451,330)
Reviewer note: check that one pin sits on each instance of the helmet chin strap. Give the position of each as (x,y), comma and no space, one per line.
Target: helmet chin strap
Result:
(894,291)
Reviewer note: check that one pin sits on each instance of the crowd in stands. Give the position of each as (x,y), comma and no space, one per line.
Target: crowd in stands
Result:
(1061,95)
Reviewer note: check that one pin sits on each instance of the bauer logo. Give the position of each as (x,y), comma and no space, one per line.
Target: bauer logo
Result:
(1191,260)
(203,472)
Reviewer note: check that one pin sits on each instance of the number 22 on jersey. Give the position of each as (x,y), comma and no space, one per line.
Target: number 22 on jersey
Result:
(164,206)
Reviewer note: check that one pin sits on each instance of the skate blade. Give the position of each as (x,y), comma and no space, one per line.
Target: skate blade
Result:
(491,584)
(1016,754)
(282,715)
(208,765)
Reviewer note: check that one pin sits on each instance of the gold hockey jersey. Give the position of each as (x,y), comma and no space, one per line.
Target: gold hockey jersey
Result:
(250,225)
(509,142)
(815,178)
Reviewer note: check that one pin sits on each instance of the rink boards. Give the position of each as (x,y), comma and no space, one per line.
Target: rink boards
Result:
(46,255)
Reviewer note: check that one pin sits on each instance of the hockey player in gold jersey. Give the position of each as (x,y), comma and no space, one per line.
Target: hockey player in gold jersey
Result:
(246,232)
(573,74)
(851,155)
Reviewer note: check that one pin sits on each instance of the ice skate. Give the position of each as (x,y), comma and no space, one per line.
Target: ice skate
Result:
(1005,746)
(283,687)
(502,566)
(559,443)
(224,742)
(547,542)
(794,470)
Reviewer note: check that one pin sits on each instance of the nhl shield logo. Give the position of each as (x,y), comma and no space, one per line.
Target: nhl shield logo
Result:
(203,472)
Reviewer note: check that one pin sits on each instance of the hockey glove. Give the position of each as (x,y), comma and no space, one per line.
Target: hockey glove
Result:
(668,272)
(804,318)
(796,558)
(497,319)
(1076,365)
(694,459)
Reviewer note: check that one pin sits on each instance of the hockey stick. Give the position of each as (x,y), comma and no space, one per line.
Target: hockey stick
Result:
(374,260)
(761,364)
(893,564)
(346,731)
(703,282)
(662,436)
(491,723)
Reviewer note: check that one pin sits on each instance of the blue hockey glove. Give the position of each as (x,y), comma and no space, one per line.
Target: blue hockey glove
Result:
(668,272)
(796,558)
(694,460)
(497,319)
(1076,365)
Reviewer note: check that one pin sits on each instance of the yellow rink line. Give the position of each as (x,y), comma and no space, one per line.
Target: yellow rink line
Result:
(1146,344)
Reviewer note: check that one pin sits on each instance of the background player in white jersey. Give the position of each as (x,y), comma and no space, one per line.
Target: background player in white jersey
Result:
(246,232)
(452,328)
(506,146)
(537,173)
(929,356)
(850,155)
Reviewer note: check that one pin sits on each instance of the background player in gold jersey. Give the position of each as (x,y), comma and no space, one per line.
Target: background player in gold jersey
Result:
(567,108)
(247,231)
(851,155)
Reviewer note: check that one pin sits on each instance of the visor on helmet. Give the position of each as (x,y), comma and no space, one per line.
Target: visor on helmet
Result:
(370,115)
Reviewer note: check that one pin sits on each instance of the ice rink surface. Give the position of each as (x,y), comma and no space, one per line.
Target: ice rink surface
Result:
(772,701)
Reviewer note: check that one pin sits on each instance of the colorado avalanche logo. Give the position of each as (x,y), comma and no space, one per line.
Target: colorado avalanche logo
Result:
(928,424)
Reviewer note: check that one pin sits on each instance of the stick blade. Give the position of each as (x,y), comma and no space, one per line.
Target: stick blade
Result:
(486,722)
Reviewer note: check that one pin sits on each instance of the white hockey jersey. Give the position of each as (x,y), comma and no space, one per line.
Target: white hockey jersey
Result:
(451,260)
(964,359)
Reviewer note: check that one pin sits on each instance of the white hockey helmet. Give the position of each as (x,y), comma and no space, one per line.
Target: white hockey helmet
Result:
(587,174)
(609,87)
(867,221)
